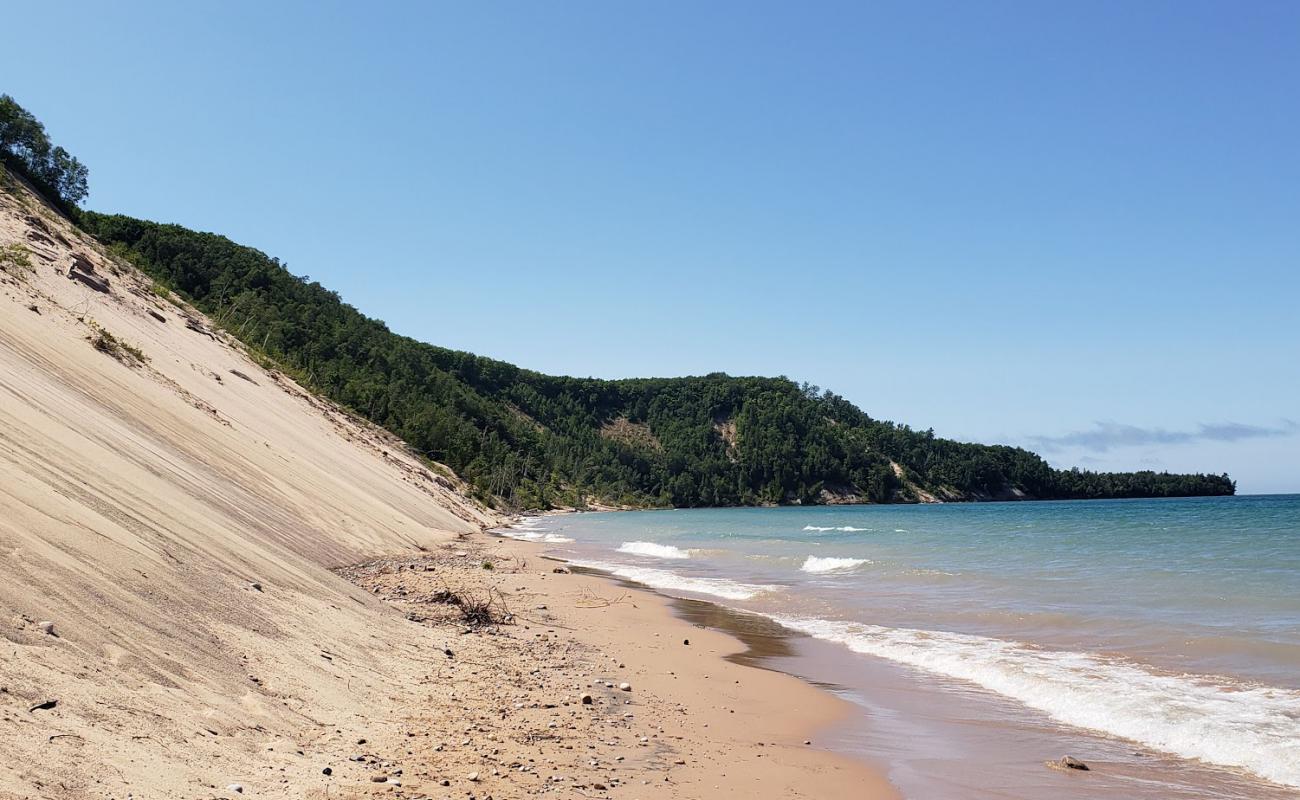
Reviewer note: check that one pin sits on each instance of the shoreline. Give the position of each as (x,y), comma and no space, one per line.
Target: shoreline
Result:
(696,721)
(968,740)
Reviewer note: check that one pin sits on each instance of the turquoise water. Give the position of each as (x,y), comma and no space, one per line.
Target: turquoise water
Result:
(1173,624)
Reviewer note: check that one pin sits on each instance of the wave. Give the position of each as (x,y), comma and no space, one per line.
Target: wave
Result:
(844,528)
(1216,720)
(819,566)
(671,581)
(527,531)
(653,550)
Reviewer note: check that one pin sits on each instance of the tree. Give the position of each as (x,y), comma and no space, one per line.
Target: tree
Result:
(25,146)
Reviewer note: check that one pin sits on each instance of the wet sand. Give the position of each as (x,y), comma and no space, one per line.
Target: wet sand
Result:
(940,740)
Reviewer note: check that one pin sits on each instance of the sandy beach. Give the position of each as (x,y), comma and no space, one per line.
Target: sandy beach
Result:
(185,617)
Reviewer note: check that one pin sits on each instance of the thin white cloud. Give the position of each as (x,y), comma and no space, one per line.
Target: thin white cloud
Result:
(1104,436)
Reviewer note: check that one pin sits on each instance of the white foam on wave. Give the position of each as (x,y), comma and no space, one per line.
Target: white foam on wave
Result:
(653,550)
(1248,726)
(819,566)
(844,528)
(527,530)
(671,581)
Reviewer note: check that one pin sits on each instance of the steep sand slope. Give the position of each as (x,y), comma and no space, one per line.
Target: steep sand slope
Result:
(139,505)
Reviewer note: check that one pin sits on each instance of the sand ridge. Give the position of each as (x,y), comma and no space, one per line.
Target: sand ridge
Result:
(179,515)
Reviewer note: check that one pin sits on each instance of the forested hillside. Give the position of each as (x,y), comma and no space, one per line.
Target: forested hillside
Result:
(527,440)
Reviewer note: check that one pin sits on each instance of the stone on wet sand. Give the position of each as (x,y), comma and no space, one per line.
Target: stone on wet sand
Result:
(1068,762)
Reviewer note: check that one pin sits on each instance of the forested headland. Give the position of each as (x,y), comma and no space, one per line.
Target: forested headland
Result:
(531,440)
(524,440)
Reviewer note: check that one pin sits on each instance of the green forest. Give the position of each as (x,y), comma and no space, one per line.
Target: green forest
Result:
(527,440)
(524,440)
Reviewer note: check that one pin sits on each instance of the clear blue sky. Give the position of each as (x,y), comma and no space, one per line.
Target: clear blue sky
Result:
(1070,226)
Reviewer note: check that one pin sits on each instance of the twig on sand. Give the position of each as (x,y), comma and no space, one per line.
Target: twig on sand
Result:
(589,599)
(52,737)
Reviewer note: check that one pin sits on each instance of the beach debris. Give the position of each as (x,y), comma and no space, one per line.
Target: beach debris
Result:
(561,570)
(237,788)
(47,628)
(380,778)
(45,706)
(34,308)
(1068,762)
(156,315)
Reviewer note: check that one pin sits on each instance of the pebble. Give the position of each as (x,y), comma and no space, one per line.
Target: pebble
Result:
(626,687)
(237,788)
(586,700)
(473,777)
(327,771)
(47,628)
(255,586)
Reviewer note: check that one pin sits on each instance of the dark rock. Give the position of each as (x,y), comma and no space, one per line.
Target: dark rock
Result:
(46,706)
(1069,762)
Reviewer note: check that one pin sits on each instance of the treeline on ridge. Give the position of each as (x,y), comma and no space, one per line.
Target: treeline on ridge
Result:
(26,149)
(522,439)
(529,440)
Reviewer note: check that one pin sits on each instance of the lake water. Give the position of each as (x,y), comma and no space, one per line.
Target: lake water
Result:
(1160,638)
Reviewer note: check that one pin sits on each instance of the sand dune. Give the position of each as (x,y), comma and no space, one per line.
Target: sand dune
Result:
(141,502)
(170,516)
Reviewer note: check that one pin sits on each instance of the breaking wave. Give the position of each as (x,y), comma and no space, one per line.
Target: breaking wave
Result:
(671,581)
(819,566)
(653,550)
(1213,719)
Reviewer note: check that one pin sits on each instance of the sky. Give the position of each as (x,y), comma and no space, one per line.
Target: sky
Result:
(1069,226)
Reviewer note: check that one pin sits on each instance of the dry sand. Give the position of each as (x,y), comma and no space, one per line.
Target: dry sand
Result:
(177,518)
